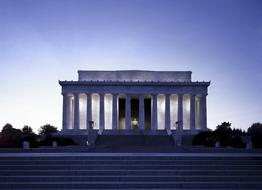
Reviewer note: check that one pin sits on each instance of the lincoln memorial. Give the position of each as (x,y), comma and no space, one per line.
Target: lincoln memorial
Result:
(134,100)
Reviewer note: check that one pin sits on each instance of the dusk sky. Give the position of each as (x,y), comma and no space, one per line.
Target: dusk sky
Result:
(43,41)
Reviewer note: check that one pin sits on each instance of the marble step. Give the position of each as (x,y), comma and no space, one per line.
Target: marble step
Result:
(129,167)
(127,178)
(122,157)
(102,172)
(142,162)
(130,184)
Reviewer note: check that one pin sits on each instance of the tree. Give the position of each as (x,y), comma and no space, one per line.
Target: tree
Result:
(224,127)
(30,136)
(27,130)
(238,132)
(7,127)
(256,134)
(223,134)
(47,130)
(10,137)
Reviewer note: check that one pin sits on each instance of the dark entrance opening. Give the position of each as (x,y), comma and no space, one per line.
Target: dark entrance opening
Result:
(121,112)
(147,105)
(134,113)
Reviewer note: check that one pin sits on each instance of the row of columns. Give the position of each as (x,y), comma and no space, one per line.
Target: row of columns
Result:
(76,123)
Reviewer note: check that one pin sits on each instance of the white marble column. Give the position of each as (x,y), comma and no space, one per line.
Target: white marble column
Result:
(192,112)
(114,112)
(203,112)
(128,112)
(65,111)
(76,112)
(141,112)
(180,112)
(88,109)
(102,111)
(154,112)
(167,112)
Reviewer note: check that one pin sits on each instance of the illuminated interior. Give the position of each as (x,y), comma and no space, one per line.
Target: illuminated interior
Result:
(186,112)
(82,111)
(173,111)
(108,111)
(197,116)
(134,101)
(95,110)
(161,112)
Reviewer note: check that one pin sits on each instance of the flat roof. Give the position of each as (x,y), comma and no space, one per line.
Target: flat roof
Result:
(135,75)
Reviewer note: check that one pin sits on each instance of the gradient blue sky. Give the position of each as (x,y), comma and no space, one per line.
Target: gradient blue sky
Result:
(42,42)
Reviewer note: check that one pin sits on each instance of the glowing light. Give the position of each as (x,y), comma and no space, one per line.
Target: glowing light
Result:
(135,123)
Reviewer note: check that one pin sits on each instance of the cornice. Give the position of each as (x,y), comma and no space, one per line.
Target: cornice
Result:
(133,83)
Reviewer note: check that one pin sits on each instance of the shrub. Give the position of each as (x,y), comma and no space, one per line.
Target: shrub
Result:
(256,134)
(204,138)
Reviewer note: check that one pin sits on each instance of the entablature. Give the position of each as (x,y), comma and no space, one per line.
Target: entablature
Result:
(134,83)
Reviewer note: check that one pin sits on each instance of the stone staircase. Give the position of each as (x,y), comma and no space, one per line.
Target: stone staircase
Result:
(134,140)
(130,171)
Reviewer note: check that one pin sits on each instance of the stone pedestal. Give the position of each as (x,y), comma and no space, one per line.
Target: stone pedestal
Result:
(54,144)
(26,145)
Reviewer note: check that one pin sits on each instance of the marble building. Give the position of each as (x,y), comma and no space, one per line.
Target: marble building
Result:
(134,100)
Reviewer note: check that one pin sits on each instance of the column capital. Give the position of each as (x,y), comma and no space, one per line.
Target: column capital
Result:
(168,94)
(154,95)
(76,94)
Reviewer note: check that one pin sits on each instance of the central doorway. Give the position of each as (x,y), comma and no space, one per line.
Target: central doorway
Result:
(134,105)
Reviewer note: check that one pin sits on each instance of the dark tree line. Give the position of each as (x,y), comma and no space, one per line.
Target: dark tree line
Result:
(11,137)
(230,137)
